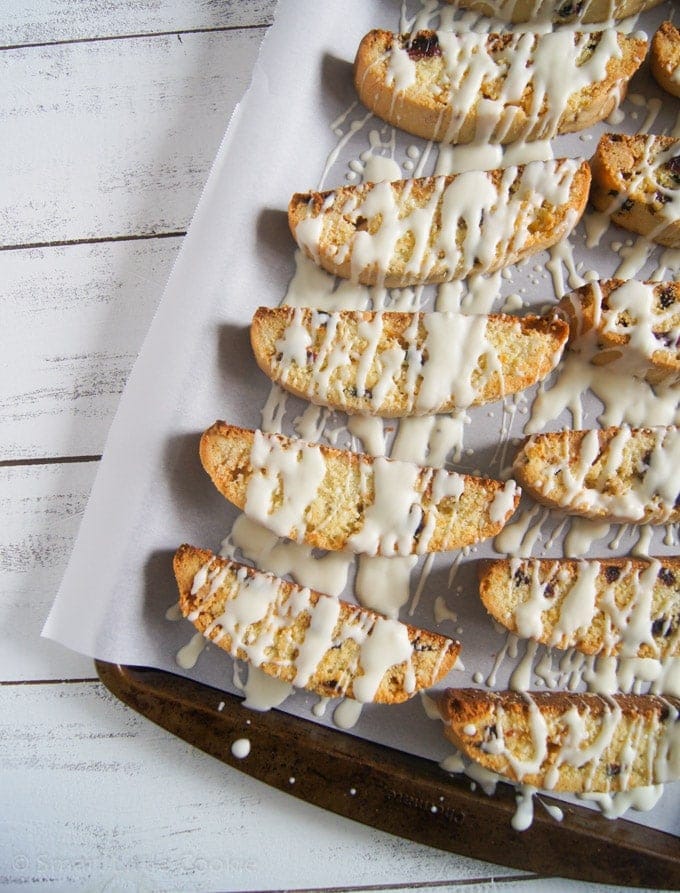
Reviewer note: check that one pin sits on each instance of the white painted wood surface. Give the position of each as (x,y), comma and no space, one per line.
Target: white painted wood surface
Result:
(111,114)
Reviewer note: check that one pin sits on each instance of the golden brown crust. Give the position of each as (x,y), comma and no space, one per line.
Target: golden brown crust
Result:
(508,587)
(335,228)
(426,107)
(336,516)
(587,309)
(590,12)
(524,351)
(664,58)
(290,612)
(529,738)
(603,474)
(636,180)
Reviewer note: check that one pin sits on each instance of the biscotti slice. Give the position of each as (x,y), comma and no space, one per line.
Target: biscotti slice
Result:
(464,87)
(303,637)
(563,741)
(638,322)
(664,58)
(636,181)
(628,475)
(559,11)
(627,607)
(393,364)
(435,229)
(335,499)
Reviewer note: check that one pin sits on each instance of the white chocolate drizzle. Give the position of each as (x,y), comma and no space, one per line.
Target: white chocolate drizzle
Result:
(259,609)
(508,85)
(647,491)
(462,224)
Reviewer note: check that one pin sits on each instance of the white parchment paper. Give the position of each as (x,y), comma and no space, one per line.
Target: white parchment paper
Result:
(298,127)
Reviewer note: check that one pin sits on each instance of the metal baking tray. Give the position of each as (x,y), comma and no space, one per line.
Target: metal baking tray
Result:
(397,792)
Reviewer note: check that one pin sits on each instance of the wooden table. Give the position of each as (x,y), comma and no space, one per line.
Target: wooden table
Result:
(111,115)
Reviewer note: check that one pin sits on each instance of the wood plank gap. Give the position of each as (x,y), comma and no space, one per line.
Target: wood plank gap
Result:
(49,460)
(141,34)
(48,681)
(98,240)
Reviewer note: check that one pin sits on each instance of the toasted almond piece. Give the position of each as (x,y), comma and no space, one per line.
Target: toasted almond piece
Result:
(303,637)
(627,475)
(435,229)
(616,606)
(636,181)
(559,11)
(562,741)
(393,364)
(664,58)
(642,317)
(334,499)
(459,87)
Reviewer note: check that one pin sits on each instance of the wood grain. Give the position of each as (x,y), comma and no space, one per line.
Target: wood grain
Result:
(68,20)
(127,804)
(41,507)
(109,139)
(83,311)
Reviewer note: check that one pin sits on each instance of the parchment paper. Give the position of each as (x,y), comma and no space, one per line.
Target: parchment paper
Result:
(151,493)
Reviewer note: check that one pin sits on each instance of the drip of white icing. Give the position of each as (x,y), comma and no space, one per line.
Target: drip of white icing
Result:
(264,692)
(188,655)
(326,573)
(240,748)
(346,714)
(382,584)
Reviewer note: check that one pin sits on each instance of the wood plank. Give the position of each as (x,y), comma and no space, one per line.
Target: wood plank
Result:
(41,507)
(171,816)
(114,138)
(84,311)
(41,21)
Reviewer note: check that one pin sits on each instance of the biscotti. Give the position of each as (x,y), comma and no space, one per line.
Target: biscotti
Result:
(335,499)
(436,229)
(303,637)
(637,322)
(394,364)
(629,475)
(464,87)
(664,58)
(563,741)
(636,181)
(558,11)
(627,607)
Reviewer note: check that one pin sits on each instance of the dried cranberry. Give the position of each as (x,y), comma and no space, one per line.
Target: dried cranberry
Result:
(612,573)
(666,298)
(666,576)
(424,45)
(673,167)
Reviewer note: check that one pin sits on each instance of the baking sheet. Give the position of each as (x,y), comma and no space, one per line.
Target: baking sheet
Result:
(300,127)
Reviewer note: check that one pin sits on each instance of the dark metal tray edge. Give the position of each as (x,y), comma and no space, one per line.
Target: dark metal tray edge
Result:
(397,792)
